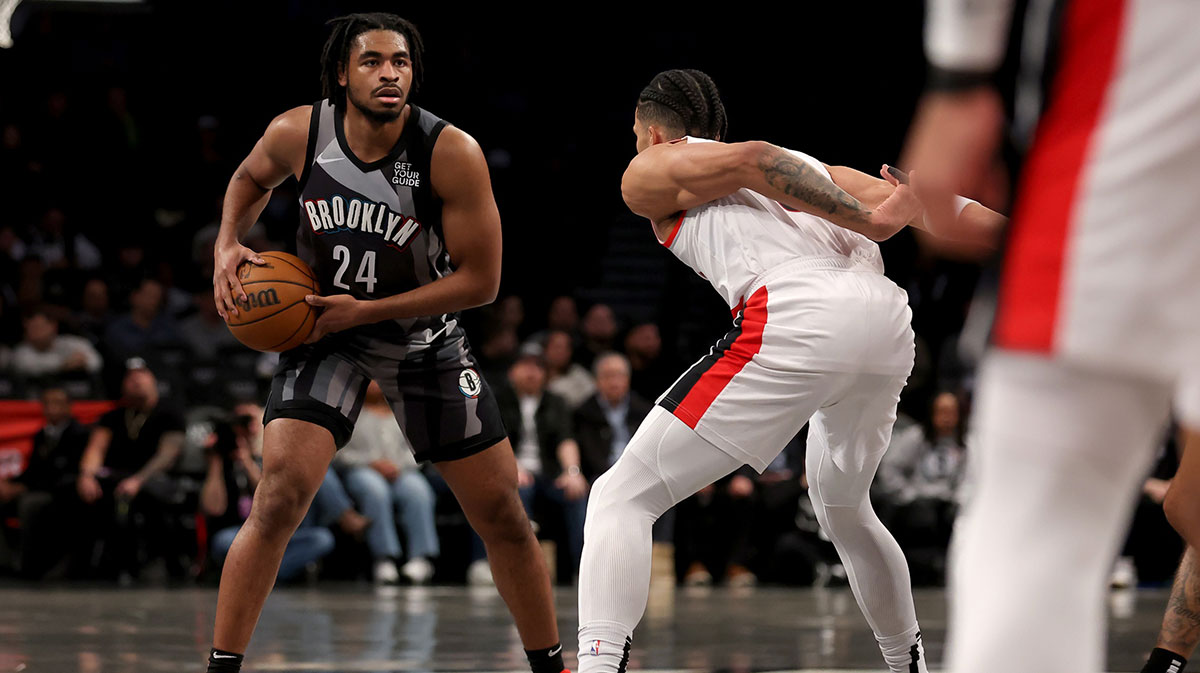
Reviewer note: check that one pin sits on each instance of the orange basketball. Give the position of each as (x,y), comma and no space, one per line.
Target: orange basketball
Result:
(274,316)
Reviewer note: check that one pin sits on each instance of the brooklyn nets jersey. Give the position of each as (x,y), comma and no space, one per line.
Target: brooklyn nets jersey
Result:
(372,230)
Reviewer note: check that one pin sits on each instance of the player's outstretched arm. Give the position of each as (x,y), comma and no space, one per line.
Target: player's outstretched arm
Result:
(277,155)
(669,178)
(471,228)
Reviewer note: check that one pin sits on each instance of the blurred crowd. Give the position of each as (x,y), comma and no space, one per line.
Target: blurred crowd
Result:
(105,299)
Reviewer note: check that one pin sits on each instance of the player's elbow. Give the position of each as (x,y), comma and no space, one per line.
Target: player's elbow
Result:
(484,289)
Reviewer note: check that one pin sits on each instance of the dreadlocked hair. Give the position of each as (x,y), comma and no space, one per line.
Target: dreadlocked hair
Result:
(686,101)
(336,53)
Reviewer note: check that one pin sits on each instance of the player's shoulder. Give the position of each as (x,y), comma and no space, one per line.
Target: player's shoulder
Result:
(292,125)
(455,143)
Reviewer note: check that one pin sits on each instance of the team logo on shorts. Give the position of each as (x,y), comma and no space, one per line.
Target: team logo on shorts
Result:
(470,383)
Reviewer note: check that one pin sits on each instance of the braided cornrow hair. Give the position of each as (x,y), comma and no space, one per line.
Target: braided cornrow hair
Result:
(336,52)
(686,101)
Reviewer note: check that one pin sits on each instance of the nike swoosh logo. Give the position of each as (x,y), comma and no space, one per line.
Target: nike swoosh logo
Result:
(555,651)
(224,656)
(323,160)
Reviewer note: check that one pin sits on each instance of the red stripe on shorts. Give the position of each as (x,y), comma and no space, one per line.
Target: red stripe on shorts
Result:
(1032,283)
(748,343)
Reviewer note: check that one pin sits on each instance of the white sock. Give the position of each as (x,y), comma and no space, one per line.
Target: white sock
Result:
(665,462)
(902,651)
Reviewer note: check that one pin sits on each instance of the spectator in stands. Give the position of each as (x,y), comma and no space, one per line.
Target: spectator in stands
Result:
(599,334)
(607,420)
(60,248)
(145,326)
(93,317)
(563,315)
(123,478)
(653,372)
(379,472)
(205,332)
(497,352)
(36,495)
(548,469)
(566,378)
(918,484)
(12,251)
(712,532)
(234,471)
(44,352)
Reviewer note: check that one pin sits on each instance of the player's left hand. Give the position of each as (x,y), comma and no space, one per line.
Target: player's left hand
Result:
(338,312)
(897,210)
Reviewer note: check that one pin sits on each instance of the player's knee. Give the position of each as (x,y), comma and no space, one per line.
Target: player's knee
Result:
(503,520)
(277,511)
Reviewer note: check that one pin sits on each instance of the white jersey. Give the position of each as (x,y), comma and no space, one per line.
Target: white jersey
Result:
(1103,260)
(733,242)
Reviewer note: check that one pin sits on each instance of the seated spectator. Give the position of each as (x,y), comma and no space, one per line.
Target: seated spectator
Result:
(59,248)
(144,327)
(605,423)
(712,532)
(918,484)
(566,378)
(548,471)
(599,334)
(93,316)
(653,371)
(234,472)
(123,481)
(562,316)
(44,352)
(205,332)
(37,494)
(379,472)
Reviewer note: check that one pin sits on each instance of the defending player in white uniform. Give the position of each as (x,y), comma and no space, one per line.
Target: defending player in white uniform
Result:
(820,336)
(1098,320)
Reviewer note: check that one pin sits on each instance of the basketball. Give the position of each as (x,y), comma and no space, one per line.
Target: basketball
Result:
(274,316)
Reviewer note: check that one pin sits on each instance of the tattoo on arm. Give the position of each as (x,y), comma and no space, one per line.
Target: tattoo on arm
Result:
(1181,625)
(794,177)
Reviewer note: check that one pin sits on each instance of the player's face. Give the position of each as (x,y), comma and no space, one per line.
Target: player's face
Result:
(378,74)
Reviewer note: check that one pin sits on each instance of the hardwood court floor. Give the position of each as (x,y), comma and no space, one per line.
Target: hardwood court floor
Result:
(356,628)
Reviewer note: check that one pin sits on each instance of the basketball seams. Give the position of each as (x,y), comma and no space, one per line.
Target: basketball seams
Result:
(273,254)
(260,319)
(290,280)
(276,281)
(295,331)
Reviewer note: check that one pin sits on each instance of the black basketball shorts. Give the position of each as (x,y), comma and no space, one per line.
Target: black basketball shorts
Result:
(445,408)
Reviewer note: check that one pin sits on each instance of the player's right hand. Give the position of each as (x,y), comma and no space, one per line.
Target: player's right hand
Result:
(227,288)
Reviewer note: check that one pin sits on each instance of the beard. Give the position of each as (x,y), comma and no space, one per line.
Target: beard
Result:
(378,116)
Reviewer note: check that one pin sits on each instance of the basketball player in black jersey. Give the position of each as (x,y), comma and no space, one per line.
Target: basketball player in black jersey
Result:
(392,201)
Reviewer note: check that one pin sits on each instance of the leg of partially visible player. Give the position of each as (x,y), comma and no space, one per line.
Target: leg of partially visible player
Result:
(1181,624)
(295,456)
(665,462)
(846,441)
(485,485)
(1061,453)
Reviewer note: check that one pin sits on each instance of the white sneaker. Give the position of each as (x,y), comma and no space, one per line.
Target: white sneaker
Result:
(385,572)
(479,574)
(1124,574)
(418,570)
